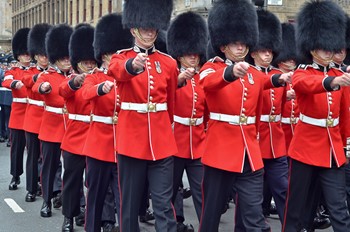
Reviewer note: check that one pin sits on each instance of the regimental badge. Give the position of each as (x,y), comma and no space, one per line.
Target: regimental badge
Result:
(157,63)
(250,79)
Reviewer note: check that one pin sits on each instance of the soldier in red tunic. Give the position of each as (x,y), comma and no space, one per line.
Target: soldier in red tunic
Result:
(316,150)
(187,38)
(13,81)
(147,81)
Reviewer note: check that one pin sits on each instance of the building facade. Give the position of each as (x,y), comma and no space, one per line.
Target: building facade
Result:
(5,26)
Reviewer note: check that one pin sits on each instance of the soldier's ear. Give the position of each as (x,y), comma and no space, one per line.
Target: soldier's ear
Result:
(132,31)
(223,48)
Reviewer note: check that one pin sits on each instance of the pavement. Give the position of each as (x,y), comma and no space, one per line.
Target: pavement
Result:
(16,215)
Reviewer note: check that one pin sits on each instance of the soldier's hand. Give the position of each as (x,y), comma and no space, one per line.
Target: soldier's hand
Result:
(286,77)
(107,86)
(290,94)
(343,80)
(79,80)
(186,75)
(19,85)
(44,87)
(240,69)
(139,61)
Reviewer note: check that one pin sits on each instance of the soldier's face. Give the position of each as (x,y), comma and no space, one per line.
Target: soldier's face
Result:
(144,37)
(263,57)
(322,57)
(42,60)
(339,56)
(86,66)
(64,64)
(191,60)
(287,66)
(235,51)
(24,58)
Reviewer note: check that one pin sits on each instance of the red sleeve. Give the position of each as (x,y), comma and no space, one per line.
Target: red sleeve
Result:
(117,68)
(171,89)
(39,81)
(344,116)
(67,89)
(212,76)
(309,83)
(9,78)
(90,87)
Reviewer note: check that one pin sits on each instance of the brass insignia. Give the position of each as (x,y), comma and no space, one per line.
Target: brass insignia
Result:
(250,79)
(159,70)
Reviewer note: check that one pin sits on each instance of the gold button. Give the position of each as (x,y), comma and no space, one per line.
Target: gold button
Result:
(150,98)
(151,82)
(330,102)
(151,87)
(330,113)
(244,99)
(243,109)
(150,77)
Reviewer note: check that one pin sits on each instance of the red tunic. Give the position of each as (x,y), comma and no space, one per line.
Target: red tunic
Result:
(228,144)
(19,102)
(74,137)
(35,107)
(146,135)
(318,145)
(53,124)
(190,103)
(271,136)
(106,105)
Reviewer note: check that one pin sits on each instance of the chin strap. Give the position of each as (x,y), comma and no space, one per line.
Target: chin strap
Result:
(149,42)
(237,58)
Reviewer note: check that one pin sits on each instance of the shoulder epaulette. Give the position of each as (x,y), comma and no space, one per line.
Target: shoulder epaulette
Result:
(216,59)
(274,68)
(123,50)
(255,67)
(165,54)
(304,66)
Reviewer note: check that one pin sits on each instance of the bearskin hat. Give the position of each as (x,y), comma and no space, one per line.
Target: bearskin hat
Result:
(147,13)
(110,36)
(347,40)
(288,48)
(160,42)
(187,34)
(36,39)
(80,45)
(232,21)
(19,42)
(270,32)
(210,51)
(57,41)
(321,24)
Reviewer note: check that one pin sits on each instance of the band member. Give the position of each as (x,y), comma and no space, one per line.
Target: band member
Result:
(187,38)
(232,155)
(54,117)
(316,150)
(35,106)
(101,90)
(147,81)
(13,81)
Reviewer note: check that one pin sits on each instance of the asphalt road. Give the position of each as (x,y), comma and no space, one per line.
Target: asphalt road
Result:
(24,216)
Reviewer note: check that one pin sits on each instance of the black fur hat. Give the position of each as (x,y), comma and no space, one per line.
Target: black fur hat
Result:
(160,42)
(57,41)
(321,24)
(232,21)
(270,32)
(288,49)
(19,42)
(187,34)
(80,45)
(210,51)
(110,36)
(347,40)
(36,39)
(147,13)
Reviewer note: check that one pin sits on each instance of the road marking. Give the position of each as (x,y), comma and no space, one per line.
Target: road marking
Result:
(13,205)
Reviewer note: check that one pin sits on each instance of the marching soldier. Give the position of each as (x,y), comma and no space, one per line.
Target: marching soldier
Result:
(35,107)
(316,150)
(186,41)
(147,81)
(54,117)
(232,155)
(13,81)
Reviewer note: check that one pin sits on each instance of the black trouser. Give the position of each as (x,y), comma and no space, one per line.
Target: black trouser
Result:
(133,174)
(4,121)
(99,176)
(216,186)
(194,170)
(33,151)
(332,182)
(51,158)
(111,203)
(18,143)
(74,166)
(145,201)
(347,178)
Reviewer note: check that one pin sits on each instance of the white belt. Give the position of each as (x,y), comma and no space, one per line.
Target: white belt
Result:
(79,117)
(233,119)
(104,119)
(322,122)
(188,121)
(55,110)
(4,89)
(270,118)
(144,107)
(19,100)
(35,102)
(292,120)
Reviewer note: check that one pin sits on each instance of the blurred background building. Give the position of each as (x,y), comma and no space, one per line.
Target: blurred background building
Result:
(16,14)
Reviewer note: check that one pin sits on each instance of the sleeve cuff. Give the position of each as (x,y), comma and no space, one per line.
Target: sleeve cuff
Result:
(129,69)
(275,80)
(99,90)
(343,68)
(327,84)
(35,77)
(13,84)
(72,86)
(228,74)
(42,92)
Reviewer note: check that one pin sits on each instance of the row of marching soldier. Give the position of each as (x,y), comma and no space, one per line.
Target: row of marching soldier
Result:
(245,123)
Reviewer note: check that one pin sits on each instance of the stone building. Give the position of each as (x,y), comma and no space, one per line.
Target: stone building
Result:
(5,26)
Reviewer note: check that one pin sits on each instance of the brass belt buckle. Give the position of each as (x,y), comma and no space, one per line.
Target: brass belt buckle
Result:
(151,107)
(64,110)
(272,118)
(115,119)
(293,120)
(243,119)
(193,121)
(330,122)
(91,117)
